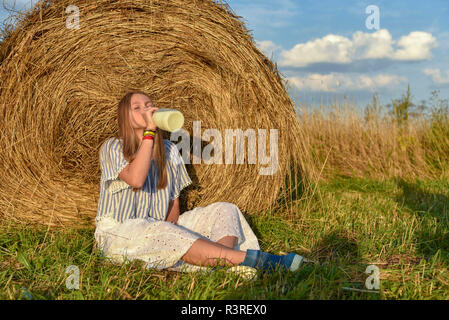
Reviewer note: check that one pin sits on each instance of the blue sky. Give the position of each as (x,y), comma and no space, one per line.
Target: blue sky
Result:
(326,50)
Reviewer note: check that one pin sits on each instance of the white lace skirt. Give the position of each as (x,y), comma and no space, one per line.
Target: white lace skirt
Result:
(161,244)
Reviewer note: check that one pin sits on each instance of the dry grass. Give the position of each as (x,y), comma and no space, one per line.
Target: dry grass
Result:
(344,142)
(60,88)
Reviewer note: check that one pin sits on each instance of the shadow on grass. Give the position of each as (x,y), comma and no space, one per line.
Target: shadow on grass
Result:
(313,281)
(294,188)
(338,247)
(431,237)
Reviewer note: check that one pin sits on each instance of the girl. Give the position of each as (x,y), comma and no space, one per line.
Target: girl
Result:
(138,209)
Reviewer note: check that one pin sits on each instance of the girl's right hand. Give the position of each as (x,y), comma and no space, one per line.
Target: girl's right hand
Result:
(147,115)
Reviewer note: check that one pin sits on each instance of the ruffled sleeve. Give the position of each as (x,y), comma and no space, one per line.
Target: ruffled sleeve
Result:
(112,162)
(180,177)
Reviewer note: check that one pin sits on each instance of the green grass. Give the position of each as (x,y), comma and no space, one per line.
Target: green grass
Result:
(344,226)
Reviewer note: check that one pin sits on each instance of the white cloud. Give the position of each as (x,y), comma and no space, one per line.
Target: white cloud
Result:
(377,45)
(331,48)
(335,82)
(415,46)
(267,47)
(436,75)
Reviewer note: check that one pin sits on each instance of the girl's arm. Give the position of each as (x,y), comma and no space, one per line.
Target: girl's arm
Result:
(136,172)
(173,211)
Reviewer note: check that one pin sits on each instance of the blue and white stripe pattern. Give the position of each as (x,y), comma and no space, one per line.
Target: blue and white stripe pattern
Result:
(117,200)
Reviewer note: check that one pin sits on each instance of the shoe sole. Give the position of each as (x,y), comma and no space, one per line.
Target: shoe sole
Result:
(296,263)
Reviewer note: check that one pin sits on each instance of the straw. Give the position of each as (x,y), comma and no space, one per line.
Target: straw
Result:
(60,88)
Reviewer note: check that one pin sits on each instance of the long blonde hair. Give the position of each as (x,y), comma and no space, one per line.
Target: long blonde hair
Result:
(131,142)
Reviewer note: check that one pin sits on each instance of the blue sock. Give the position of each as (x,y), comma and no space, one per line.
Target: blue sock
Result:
(263,260)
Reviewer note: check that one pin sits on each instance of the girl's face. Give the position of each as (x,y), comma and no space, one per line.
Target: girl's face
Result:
(138,103)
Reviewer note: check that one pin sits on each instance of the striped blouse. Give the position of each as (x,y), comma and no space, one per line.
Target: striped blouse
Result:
(117,200)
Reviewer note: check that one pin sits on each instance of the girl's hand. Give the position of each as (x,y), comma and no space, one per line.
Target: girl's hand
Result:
(147,115)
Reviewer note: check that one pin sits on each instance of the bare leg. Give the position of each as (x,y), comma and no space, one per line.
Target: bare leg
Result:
(207,253)
(228,241)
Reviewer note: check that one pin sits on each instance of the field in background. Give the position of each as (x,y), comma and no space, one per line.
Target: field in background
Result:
(397,140)
(377,193)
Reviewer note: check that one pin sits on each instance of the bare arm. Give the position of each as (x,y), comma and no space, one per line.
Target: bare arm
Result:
(173,211)
(136,172)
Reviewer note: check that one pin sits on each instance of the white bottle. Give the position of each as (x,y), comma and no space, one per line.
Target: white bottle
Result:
(168,119)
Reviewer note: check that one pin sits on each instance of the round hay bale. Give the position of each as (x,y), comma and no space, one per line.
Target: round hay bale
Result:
(61,86)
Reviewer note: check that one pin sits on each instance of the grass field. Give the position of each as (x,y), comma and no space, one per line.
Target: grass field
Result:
(343,225)
(377,193)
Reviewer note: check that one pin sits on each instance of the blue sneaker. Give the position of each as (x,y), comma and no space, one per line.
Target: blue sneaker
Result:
(268,262)
(293,261)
